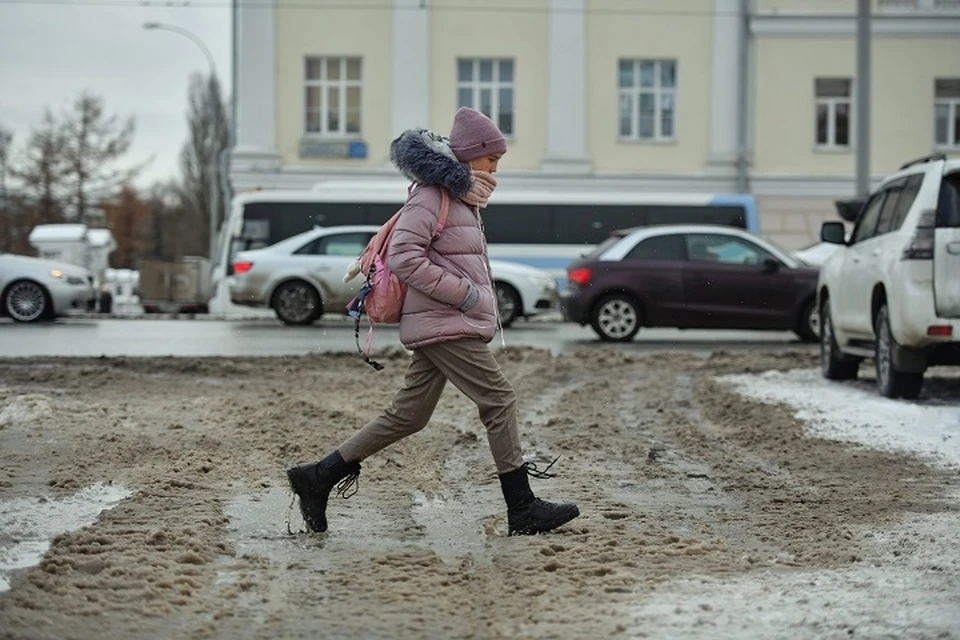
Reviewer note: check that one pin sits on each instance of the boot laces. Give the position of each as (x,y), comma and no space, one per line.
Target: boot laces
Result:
(531,470)
(349,486)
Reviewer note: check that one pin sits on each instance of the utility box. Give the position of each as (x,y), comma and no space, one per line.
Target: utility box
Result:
(180,286)
(75,244)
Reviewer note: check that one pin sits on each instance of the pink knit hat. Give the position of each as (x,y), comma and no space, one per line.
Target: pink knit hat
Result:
(474,136)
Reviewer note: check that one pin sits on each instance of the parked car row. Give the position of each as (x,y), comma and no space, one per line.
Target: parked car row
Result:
(685,276)
(32,289)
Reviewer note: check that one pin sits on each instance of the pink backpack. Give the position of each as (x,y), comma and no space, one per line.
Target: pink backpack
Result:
(381,296)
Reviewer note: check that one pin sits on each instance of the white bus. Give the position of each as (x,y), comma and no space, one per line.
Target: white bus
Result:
(541,228)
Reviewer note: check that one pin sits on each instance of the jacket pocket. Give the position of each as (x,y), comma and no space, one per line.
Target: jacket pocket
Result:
(483,314)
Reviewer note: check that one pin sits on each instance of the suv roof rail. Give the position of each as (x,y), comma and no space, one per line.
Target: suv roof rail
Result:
(933,157)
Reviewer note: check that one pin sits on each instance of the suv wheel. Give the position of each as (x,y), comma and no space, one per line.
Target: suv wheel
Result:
(296,302)
(834,364)
(890,382)
(616,318)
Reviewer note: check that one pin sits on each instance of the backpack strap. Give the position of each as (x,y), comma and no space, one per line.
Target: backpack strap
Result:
(444,209)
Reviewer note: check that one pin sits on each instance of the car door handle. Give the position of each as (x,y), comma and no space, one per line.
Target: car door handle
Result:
(953,248)
(875,252)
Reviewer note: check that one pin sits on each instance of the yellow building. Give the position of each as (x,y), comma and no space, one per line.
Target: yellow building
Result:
(687,95)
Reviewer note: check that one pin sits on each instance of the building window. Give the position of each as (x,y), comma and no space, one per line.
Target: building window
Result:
(487,85)
(833,111)
(648,99)
(946,112)
(332,88)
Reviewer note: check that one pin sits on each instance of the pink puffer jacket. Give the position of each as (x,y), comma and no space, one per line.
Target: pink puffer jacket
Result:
(437,273)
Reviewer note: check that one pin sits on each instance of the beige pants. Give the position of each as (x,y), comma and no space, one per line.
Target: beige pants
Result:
(471,367)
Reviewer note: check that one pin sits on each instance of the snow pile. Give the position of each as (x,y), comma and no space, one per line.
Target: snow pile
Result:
(24,409)
(853,412)
(27,525)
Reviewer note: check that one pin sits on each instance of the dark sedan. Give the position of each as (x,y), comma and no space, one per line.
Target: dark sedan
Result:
(690,277)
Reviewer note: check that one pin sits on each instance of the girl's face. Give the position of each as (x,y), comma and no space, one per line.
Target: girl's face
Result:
(486,163)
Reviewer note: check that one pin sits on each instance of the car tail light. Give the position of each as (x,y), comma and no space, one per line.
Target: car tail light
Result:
(242,267)
(940,330)
(580,276)
(921,245)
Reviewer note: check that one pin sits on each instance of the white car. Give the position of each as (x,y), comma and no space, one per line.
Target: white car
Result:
(301,278)
(32,289)
(892,291)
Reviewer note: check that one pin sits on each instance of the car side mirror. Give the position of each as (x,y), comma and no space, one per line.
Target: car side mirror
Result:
(833,233)
(770,265)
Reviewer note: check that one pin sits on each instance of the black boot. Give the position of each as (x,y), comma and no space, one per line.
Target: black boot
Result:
(526,513)
(313,483)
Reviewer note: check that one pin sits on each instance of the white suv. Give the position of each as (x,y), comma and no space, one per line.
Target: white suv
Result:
(892,292)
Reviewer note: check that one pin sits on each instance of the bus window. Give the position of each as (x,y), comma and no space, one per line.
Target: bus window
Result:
(590,224)
(724,215)
(517,224)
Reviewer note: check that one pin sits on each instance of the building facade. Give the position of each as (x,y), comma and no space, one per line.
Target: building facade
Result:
(688,95)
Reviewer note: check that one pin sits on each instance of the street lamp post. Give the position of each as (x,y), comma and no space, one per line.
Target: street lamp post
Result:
(212,160)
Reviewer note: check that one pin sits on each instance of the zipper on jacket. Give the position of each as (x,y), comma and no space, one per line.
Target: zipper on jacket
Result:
(486,268)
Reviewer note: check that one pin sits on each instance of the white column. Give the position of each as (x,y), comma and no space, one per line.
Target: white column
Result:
(724,103)
(256,92)
(566,103)
(411,66)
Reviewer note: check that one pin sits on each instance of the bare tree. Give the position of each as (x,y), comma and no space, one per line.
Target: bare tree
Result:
(129,219)
(16,217)
(201,155)
(6,208)
(42,169)
(93,143)
(167,216)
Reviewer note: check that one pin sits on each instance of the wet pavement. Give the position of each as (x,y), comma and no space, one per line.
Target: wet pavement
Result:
(90,337)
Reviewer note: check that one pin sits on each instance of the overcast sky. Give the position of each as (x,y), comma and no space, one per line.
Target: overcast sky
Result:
(49,53)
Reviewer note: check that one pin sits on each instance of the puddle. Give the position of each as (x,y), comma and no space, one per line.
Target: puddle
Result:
(27,525)
(258,529)
(451,528)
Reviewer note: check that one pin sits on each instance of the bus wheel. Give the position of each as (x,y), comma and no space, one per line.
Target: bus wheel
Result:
(296,302)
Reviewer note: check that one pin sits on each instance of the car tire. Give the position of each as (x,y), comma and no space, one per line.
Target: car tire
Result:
(27,301)
(808,322)
(834,364)
(616,318)
(508,303)
(296,303)
(892,383)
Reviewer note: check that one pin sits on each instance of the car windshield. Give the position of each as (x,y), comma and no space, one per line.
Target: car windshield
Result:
(787,252)
(595,252)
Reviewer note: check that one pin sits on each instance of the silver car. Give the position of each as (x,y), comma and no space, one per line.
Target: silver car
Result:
(301,278)
(32,289)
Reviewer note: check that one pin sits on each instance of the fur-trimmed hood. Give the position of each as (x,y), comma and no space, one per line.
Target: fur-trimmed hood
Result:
(425,157)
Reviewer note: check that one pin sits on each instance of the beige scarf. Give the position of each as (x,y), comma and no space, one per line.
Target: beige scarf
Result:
(483,185)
